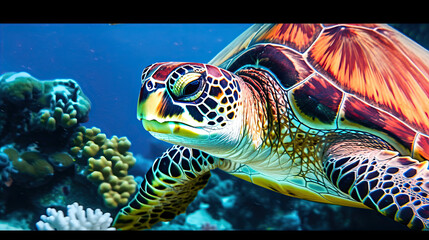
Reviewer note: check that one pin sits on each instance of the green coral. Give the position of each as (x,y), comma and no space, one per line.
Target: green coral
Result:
(20,87)
(61,160)
(32,167)
(108,163)
(29,106)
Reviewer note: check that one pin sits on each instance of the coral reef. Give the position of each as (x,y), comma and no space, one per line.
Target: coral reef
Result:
(36,120)
(42,135)
(76,219)
(44,105)
(47,159)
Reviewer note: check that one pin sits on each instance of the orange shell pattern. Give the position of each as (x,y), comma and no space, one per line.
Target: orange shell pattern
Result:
(384,76)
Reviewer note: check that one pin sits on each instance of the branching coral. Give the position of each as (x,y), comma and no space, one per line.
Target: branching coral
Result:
(108,164)
(76,219)
(67,105)
(116,187)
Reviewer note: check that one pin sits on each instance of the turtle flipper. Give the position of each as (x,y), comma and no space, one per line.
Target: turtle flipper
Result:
(168,188)
(396,186)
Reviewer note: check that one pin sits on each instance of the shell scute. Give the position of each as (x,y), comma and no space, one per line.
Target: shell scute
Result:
(317,102)
(366,63)
(357,114)
(382,74)
(296,36)
(288,66)
(416,53)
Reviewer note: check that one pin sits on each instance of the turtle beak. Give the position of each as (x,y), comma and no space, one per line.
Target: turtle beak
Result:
(148,104)
(159,115)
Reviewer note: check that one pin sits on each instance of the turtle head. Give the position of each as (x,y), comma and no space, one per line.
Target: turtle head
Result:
(191,104)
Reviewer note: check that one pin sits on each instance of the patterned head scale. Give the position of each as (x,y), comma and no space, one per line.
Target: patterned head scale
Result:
(188,99)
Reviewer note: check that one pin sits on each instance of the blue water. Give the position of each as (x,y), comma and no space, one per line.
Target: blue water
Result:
(107,60)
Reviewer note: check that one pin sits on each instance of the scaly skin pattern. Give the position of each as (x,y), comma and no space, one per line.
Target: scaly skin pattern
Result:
(168,188)
(284,155)
(269,147)
(396,186)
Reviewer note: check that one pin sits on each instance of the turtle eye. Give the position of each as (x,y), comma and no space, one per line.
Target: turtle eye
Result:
(189,87)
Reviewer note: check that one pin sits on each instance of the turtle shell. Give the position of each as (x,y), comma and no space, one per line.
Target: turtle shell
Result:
(366,77)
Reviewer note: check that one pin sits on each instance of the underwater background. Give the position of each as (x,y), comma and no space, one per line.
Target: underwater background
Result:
(50,130)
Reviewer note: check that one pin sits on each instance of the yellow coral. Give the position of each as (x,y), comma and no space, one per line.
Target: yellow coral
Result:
(115,188)
(100,169)
(58,118)
(108,164)
(47,121)
(91,149)
(87,141)
(117,191)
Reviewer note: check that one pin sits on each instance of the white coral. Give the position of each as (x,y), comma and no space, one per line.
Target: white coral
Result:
(76,219)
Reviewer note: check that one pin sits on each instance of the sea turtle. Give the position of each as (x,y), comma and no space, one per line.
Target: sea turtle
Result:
(333,113)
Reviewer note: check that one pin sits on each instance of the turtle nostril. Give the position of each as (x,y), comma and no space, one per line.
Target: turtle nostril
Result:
(149,85)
